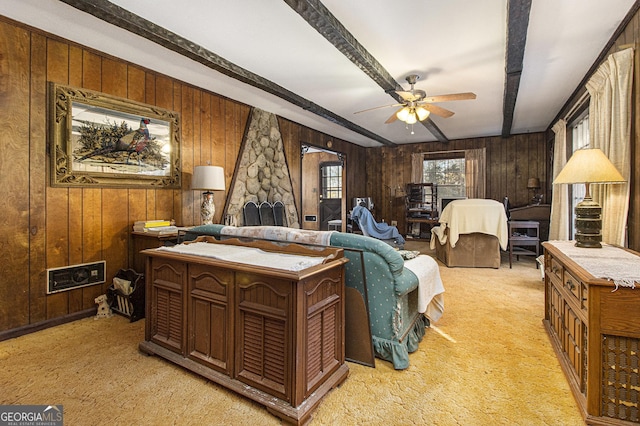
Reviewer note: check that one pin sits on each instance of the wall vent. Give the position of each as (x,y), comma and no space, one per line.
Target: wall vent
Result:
(74,276)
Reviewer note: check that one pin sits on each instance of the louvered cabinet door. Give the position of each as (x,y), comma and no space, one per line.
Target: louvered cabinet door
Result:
(209,311)
(167,317)
(323,332)
(264,335)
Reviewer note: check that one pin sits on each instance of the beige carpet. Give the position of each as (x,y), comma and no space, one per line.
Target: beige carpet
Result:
(488,361)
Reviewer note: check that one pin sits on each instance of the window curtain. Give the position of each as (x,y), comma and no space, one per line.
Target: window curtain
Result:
(474,170)
(417,166)
(609,130)
(559,224)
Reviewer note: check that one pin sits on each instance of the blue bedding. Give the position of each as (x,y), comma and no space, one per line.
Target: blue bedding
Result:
(370,227)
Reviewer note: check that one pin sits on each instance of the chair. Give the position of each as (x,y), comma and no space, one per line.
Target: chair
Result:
(370,228)
(278,214)
(266,214)
(251,214)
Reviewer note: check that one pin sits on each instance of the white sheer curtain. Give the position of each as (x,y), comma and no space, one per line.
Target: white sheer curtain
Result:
(417,166)
(610,129)
(559,225)
(475,175)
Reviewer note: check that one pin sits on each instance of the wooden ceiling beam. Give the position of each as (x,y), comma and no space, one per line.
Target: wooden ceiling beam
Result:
(115,15)
(517,24)
(320,18)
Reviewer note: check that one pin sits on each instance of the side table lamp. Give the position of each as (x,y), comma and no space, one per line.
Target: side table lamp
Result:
(589,166)
(208,178)
(534,184)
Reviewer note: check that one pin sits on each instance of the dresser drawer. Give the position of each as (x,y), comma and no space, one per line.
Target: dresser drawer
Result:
(576,289)
(556,269)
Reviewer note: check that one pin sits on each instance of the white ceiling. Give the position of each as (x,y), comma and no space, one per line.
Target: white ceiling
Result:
(454,46)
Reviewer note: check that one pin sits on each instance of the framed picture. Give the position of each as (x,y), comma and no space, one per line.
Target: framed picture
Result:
(99,140)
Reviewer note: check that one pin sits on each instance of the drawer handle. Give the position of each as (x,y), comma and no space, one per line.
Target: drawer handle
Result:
(571,285)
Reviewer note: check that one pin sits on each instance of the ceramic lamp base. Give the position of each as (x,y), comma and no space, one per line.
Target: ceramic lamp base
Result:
(207,209)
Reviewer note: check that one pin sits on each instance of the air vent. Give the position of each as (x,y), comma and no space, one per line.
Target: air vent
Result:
(74,276)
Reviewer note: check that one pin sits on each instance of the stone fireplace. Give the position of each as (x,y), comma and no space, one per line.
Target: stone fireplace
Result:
(261,173)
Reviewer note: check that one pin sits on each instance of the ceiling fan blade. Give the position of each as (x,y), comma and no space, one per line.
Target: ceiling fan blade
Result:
(393,118)
(451,97)
(378,107)
(438,110)
(408,96)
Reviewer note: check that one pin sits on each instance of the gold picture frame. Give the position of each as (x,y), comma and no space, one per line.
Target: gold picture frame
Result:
(98,140)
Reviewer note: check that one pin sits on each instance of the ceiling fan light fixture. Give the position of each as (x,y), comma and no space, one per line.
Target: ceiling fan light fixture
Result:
(423,113)
(411,118)
(403,114)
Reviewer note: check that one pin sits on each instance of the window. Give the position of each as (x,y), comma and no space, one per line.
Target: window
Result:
(449,174)
(579,139)
(331,175)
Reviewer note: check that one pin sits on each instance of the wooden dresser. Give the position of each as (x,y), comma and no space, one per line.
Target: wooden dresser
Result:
(273,335)
(595,332)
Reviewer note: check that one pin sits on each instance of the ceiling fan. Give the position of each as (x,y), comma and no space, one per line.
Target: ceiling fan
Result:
(417,106)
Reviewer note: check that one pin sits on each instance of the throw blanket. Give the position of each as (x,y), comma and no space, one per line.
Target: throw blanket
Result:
(247,255)
(369,227)
(609,262)
(430,287)
(280,233)
(472,215)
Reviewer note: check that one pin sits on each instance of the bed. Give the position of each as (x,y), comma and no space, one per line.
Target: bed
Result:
(471,233)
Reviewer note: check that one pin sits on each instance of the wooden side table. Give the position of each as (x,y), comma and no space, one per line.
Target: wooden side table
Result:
(524,239)
(142,241)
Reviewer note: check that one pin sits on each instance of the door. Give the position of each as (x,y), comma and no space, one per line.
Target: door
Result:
(330,193)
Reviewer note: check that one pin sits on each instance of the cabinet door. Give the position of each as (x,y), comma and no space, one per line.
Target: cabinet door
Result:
(574,344)
(167,319)
(264,333)
(323,331)
(210,339)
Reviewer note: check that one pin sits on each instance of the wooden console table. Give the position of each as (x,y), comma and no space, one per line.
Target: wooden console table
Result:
(595,331)
(275,336)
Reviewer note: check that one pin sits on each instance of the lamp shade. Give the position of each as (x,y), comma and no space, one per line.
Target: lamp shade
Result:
(209,178)
(403,113)
(533,183)
(589,166)
(423,113)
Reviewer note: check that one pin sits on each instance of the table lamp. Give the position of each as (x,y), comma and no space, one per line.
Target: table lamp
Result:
(209,178)
(534,184)
(588,166)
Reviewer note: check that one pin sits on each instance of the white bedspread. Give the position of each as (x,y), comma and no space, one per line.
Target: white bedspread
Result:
(430,287)
(472,215)
(247,255)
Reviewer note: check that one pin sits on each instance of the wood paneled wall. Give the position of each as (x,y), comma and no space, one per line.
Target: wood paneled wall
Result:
(43,227)
(510,163)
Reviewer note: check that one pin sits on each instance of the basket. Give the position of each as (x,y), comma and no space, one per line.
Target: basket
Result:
(129,305)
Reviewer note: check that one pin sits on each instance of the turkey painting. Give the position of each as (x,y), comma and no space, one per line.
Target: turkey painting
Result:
(115,142)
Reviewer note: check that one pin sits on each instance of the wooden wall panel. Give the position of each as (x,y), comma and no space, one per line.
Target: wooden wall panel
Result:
(57,199)
(510,163)
(14,167)
(37,181)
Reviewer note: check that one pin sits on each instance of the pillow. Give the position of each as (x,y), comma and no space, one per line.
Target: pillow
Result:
(408,254)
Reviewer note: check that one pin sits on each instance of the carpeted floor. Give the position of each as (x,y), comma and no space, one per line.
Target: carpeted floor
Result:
(488,361)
